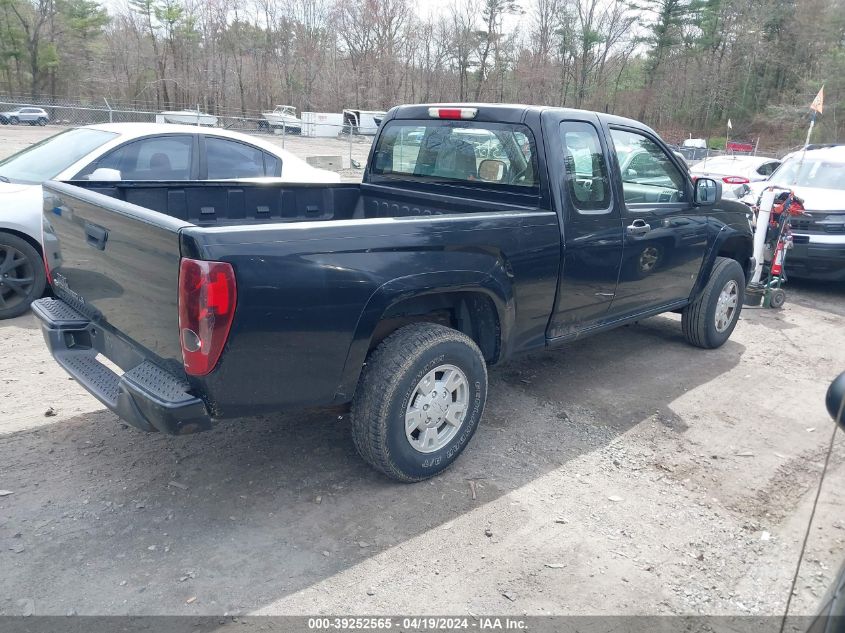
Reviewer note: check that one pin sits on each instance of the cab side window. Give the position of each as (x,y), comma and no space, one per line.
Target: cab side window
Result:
(648,174)
(585,167)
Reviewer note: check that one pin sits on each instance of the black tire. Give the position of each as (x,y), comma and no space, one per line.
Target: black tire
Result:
(698,319)
(777,298)
(42,121)
(390,380)
(13,120)
(19,262)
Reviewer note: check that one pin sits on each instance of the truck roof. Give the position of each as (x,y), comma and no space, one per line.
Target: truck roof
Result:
(505,112)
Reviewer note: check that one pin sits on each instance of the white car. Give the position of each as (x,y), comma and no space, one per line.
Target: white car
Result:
(120,151)
(735,171)
(817,176)
(27,114)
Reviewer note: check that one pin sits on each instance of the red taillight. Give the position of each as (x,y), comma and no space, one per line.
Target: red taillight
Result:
(452,113)
(735,180)
(207,298)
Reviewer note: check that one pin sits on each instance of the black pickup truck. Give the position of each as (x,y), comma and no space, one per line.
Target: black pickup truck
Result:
(478,232)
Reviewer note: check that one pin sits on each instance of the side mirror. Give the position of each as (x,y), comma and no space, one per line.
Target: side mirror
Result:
(835,400)
(104,174)
(492,170)
(707,191)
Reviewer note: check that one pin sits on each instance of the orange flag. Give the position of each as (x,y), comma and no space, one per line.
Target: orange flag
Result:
(818,102)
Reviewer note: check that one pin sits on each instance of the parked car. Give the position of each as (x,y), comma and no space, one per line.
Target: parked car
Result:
(393,295)
(818,177)
(131,151)
(736,171)
(33,116)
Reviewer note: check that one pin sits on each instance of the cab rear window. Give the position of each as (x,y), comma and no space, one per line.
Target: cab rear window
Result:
(485,155)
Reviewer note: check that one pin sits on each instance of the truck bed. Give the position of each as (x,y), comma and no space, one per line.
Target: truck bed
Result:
(228,203)
(222,203)
(311,284)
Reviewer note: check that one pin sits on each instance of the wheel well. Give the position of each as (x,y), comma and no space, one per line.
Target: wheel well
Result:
(32,242)
(736,248)
(472,313)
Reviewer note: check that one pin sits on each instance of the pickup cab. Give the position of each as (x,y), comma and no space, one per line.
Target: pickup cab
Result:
(479,232)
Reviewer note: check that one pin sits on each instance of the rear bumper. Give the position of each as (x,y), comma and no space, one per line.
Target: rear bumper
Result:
(819,257)
(146,396)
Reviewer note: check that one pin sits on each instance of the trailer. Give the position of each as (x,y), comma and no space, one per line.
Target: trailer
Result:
(364,122)
(321,124)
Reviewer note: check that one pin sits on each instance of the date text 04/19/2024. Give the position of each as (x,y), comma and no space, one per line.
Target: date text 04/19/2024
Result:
(416,623)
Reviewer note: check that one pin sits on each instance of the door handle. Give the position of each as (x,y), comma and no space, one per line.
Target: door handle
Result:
(638,227)
(96,236)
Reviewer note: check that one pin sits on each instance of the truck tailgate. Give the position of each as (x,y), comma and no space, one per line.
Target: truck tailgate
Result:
(118,264)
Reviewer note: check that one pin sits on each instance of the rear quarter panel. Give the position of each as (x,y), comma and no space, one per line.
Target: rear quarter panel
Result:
(310,294)
(20,209)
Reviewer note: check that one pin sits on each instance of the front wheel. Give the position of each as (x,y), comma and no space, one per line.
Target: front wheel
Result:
(709,320)
(13,120)
(419,401)
(22,277)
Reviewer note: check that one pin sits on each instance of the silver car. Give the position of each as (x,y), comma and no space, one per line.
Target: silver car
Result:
(817,176)
(33,116)
(736,172)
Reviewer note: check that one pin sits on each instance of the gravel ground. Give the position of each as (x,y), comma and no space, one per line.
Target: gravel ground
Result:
(627,473)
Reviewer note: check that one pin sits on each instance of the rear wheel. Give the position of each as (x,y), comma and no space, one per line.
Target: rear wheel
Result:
(709,320)
(22,277)
(419,401)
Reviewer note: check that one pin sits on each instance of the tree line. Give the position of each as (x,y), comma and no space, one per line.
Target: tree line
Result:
(683,66)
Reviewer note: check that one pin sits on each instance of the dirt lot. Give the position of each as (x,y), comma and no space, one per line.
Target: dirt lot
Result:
(624,474)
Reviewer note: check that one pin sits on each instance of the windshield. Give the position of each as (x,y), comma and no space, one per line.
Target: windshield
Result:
(812,172)
(50,157)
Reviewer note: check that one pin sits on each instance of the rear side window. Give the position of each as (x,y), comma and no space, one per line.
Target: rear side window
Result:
(586,168)
(766,169)
(485,155)
(272,165)
(229,159)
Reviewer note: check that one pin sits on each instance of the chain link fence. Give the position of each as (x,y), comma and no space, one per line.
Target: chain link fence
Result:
(354,135)
(77,112)
(72,112)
